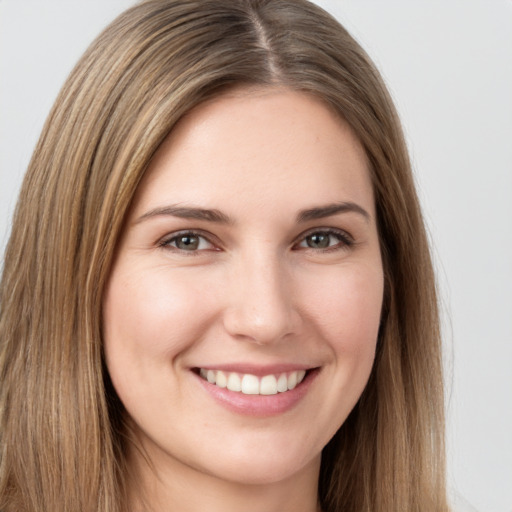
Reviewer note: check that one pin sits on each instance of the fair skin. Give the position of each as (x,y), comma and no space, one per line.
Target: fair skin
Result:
(250,258)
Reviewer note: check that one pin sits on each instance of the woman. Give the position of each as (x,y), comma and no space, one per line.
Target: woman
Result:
(218,278)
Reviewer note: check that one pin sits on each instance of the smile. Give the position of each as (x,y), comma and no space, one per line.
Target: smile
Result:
(249,384)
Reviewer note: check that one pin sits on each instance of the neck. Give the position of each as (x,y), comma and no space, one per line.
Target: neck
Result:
(162,489)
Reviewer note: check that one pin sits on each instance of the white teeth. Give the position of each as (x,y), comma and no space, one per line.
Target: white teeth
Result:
(234,383)
(282,383)
(222,380)
(252,385)
(292,380)
(268,385)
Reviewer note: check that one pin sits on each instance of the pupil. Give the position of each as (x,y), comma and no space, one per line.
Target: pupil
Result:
(187,242)
(318,241)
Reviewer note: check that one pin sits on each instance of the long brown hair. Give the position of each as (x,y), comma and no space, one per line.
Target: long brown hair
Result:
(61,429)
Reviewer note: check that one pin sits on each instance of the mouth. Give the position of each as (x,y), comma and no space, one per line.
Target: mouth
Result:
(249,384)
(257,391)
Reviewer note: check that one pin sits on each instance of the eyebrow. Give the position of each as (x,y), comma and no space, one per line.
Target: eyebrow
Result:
(329,210)
(187,212)
(216,216)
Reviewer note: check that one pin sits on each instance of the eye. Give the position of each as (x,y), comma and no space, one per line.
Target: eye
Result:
(326,239)
(189,241)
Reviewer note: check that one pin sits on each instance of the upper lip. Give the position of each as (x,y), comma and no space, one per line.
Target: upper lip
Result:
(258,370)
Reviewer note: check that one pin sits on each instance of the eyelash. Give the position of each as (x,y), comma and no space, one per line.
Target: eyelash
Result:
(345,241)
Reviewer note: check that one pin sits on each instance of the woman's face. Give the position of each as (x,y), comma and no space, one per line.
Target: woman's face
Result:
(242,311)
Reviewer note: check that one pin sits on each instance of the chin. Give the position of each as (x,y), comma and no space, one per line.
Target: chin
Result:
(264,464)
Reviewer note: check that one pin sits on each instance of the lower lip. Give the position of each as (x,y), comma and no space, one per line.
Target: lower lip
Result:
(259,405)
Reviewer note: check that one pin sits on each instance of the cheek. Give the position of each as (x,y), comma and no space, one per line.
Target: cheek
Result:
(148,315)
(347,309)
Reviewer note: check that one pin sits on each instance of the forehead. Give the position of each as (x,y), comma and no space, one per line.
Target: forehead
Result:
(272,144)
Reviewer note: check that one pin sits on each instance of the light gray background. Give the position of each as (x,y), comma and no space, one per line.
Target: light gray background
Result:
(448,64)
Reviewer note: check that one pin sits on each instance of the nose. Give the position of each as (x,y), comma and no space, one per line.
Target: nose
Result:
(260,306)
